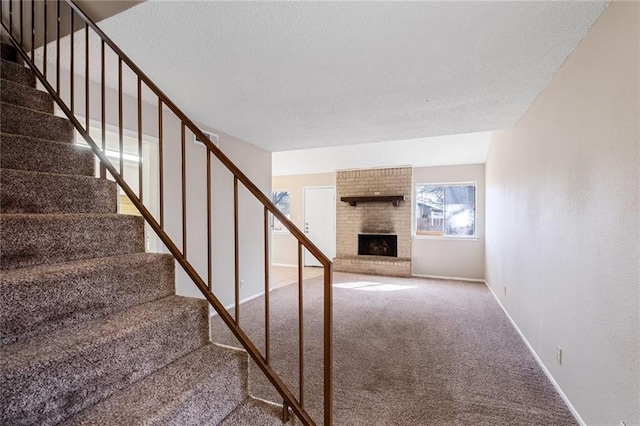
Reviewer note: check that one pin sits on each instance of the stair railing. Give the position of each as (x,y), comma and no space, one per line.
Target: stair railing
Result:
(32,26)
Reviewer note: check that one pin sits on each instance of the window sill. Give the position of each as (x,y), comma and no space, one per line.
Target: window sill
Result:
(433,237)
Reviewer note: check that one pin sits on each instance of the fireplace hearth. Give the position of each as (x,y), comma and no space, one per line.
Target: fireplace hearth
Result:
(378,245)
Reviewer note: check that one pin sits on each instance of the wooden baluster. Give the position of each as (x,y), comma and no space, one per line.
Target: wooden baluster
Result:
(184,191)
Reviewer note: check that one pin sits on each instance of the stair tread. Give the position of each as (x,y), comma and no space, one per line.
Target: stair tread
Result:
(41,298)
(18,120)
(166,395)
(54,376)
(31,239)
(79,266)
(27,97)
(10,70)
(254,412)
(54,174)
(63,343)
(28,153)
(49,216)
(34,138)
(27,191)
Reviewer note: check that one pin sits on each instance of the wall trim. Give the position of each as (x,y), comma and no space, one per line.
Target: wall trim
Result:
(232,305)
(286,265)
(440,277)
(555,384)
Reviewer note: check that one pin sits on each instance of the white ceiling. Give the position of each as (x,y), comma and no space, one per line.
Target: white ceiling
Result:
(292,75)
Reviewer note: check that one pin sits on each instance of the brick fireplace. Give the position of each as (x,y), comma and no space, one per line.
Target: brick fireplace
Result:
(373,221)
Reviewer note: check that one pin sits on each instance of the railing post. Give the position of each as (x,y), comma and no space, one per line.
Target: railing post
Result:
(86,73)
(21,19)
(11,16)
(328,344)
(236,250)
(209,263)
(57,47)
(44,36)
(267,266)
(103,83)
(120,120)
(71,54)
(161,163)
(183,149)
(300,324)
(33,29)
(140,186)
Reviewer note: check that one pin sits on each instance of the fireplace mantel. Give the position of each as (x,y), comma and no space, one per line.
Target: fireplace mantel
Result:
(393,199)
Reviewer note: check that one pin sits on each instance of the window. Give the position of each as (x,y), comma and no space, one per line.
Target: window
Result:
(446,210)
(282,200)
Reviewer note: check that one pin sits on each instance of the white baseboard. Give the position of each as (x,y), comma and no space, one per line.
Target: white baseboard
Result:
(440,277)
(539,360)
(286,265)
(274,404)
(232,305)
(233,348)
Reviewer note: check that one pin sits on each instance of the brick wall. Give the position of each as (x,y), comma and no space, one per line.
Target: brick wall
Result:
(376,217)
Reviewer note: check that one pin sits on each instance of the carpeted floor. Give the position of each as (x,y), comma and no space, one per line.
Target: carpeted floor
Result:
(406,352)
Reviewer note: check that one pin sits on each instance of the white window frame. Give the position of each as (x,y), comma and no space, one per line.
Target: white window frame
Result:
(284,231)
(473,237)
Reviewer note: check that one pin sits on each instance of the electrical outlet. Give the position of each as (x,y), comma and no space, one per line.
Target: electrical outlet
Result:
(241,283)
(559,354)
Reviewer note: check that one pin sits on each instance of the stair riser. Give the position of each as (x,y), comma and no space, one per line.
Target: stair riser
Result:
(220,395)
(38,155)
(48,394)
(26,97)
(29,192)
(26,122)
(15,72)
(256,412)
(9,52)
(31,240)
(35,303)
(200,388)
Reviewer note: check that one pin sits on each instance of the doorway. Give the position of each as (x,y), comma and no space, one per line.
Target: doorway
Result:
(320,221)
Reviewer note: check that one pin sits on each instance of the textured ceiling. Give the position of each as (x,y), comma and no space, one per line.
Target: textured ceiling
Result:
(293,75)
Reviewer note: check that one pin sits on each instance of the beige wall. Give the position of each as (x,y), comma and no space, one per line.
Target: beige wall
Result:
(563,221)
(451,257)
(438,257)
(284,248)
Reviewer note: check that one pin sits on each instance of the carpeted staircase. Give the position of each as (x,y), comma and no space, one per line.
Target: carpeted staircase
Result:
(91,331)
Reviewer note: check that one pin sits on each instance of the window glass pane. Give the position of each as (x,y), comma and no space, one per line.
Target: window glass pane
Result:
(430,210)
(282,201)
(445,210)
(460,210)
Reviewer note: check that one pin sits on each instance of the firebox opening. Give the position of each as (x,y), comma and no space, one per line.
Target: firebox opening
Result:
(378,245)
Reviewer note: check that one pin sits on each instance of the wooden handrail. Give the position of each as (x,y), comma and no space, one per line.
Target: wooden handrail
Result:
(180,255)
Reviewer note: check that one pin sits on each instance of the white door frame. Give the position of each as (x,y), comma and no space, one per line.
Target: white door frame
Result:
(304,220)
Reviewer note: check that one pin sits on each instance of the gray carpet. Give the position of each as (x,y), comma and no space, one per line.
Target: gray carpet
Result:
(412,352)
